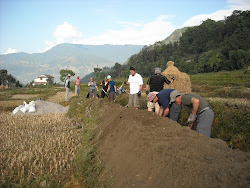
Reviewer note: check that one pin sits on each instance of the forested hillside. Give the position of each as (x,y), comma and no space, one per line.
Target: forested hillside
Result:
(211,46)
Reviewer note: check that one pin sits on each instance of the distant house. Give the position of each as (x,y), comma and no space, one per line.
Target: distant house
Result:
(44,79)
(4,86)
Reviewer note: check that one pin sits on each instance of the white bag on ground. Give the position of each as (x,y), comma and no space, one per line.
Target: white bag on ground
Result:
(25,107)
(31,103)
(17,109)
(32,108)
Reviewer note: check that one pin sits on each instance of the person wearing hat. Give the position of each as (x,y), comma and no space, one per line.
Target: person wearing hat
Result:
(156,84)
(111,89)
(135,83)
(201,115)
(163,99)
(77,85)
(67,87)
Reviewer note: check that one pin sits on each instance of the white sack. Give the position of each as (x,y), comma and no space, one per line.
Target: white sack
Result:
(17,109)
(32,108)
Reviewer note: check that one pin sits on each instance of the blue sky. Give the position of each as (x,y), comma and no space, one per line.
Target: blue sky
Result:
(34,26)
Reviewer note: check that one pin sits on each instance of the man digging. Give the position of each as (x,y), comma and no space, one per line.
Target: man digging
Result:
(200,112)
(155,84)
(166,108)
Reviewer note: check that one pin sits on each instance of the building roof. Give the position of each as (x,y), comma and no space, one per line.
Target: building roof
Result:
(45,76)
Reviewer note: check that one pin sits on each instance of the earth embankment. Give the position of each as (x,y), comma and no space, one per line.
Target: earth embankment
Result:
(140,149)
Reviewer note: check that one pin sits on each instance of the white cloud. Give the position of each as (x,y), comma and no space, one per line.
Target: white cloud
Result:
(63,33)
(132,33)
(10,51)
(135,33)
(66,32)
(220,14)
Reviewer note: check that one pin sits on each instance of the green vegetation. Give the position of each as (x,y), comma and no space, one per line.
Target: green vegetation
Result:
(86,114)
(233,84)
(64,73)
(211,46)
(8,101)
(8,79)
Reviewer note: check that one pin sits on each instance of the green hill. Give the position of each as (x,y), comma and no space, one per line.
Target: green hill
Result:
(211,46)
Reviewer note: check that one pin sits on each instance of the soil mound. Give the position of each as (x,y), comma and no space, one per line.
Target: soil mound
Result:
(182,81)
(45,107)
(140,149)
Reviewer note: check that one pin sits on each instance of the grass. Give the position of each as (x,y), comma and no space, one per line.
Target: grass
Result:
(231,124)
(234,84)
(85,113)
(8,99)
(37,148)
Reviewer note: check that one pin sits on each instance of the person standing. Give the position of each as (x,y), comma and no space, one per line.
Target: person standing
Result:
(201,115)
(77,85)
(163,99)
(156,84)
(111,88)
(92,88)
(104,85)
(67,87)
(135,83)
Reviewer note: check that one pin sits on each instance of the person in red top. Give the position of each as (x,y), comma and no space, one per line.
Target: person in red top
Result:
(77,86)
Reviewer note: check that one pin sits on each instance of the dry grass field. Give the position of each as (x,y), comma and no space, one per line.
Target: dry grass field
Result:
(37,150)
(23,96)
(35,146)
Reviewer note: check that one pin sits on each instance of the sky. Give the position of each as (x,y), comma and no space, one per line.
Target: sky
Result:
(35,26)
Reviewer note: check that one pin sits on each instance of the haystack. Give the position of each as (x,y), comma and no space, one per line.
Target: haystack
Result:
(182,81)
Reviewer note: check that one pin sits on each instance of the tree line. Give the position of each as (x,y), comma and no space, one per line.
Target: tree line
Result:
(210,47)
(8,79)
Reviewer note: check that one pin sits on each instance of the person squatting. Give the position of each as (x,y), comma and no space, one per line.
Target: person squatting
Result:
(165,102)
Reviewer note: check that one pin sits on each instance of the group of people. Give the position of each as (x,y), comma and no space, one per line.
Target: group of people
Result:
(109,88)
(165,102)
(168,103)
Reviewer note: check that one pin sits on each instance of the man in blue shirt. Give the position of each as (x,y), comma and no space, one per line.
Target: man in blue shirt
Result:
(111,88)
(163,98)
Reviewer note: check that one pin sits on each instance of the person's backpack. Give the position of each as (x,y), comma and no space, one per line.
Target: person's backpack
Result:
(65,82)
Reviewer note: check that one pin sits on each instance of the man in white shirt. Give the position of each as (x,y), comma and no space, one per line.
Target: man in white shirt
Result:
(135,83)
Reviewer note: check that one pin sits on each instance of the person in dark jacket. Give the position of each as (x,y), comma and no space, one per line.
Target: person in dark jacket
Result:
(105,85)
(155,84)
(67,87)
(167,109)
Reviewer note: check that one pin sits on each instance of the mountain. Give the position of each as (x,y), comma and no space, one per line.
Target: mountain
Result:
(175,36)
(80,58)
(210,47)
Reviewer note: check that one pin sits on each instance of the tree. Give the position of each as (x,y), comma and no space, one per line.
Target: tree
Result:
(118,68)
(49,80)
(97,70)
(64,73)
(8,79)
(3,76)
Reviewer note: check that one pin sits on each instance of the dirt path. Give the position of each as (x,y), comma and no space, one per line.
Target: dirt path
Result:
(140,149)
(60,97)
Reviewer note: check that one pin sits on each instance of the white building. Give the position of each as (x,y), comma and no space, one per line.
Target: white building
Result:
(43,80)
